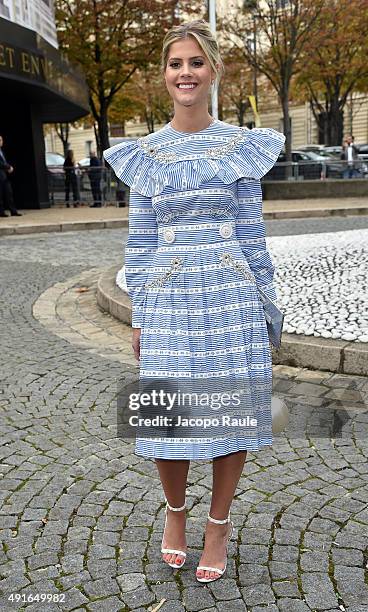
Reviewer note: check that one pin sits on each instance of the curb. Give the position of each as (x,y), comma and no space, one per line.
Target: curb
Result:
(300,351)
(69,226)
(317,212)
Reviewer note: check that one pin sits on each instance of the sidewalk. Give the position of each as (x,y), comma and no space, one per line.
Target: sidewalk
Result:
(59,219)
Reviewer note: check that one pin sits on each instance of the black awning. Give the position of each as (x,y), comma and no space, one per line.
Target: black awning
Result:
(31,68)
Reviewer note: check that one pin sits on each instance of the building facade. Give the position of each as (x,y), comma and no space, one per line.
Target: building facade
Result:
(37,86)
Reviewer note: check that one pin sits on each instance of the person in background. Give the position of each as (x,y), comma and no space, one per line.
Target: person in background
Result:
(6,191)
(71,179)
(349,154)
(95,175)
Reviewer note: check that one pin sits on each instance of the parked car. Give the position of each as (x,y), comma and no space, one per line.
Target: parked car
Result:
(309,166)
(335,150)
(363,156)
(331,166)
(311,147)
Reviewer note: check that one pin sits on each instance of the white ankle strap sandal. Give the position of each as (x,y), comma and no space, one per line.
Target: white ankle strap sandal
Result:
(217,569)
(172,550)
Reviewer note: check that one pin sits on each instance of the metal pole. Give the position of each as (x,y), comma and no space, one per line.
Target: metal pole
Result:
(212,20)
(255,87)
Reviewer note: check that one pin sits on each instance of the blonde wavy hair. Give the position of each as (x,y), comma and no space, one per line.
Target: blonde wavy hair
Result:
(202,33)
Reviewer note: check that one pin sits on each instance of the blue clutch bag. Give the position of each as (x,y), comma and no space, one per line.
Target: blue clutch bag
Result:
(274,318)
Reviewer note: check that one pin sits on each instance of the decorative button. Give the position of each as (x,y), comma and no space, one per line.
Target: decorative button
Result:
(225,230)
(169,234)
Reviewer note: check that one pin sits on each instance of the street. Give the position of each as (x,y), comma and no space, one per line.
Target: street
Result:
(82,516)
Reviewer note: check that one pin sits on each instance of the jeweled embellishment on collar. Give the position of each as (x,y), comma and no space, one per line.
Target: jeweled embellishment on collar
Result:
(228,147)
(211,152)
(157,155)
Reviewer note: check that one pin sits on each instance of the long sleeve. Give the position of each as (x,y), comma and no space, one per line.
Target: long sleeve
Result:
(251,233)
(139,251)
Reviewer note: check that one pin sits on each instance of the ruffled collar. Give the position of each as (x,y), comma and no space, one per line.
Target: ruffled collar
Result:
(183,161)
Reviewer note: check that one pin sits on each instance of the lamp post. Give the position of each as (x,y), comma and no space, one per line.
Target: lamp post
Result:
(212,20)
(251,43)
(251,5)
(255,87)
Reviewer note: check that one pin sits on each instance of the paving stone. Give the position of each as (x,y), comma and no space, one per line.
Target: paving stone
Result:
(235,605)
(314,561)
(257,594)
(129,566)
(101,567)
(13,583)
(350,580)
(286,536)
(254,519)
(130,582)
(289,521)
(176,606)
(286,588)
(42,560)
(101,551)
(152,570)
(323,526)
(255,536)
(258,554)
(72,564)
(346,556)
(225,589)
(167,590)
(72,580)
(102,587)
(110,604)
(319,592)
(280,570)
(285,553)
(73,598)
(139,597)
(292,605)
(251,573)
(197,598)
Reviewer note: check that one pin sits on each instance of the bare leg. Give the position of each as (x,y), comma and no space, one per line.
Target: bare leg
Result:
(173,475)
(226,473)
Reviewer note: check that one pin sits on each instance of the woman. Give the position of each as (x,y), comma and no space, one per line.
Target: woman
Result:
(71,179)
(196,238)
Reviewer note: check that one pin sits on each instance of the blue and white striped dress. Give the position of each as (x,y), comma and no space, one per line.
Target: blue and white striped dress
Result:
(196,239)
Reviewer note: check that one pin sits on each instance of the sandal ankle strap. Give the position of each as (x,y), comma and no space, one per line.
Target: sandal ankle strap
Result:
(218,521)
(175,509)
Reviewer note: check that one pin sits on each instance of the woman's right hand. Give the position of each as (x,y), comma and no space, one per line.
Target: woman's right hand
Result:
(136,342)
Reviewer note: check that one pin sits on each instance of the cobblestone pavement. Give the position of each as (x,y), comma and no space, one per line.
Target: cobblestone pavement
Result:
(81,516)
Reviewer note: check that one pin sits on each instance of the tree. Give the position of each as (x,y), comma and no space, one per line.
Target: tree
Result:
(236,85)
(336,66)
(283,30)
(154,104)
(62,130)
(110,40)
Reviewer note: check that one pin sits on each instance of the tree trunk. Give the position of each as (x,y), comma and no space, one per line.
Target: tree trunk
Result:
(103,129)
(287,131)
(62,130)
(97,138)
(336,124)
